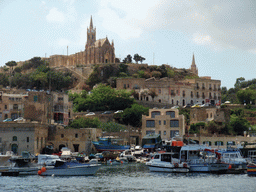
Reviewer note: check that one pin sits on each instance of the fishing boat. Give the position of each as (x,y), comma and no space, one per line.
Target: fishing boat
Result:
(110,144)
(165,162)
(64,168)
(201,158)
(233,157)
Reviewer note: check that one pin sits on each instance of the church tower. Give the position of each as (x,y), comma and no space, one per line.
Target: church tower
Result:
(91,34)
(193,67)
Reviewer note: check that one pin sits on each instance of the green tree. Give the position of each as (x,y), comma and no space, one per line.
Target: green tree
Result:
(136,57)
(239,124)
(141,59)
(111,127)
(152,93)
(133,116)
(11,64)
(246,96)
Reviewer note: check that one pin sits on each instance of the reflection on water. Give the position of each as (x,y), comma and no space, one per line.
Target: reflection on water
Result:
(131,177)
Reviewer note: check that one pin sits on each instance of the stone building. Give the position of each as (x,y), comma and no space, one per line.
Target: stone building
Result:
(176,92)
(206,114)
(48,108)
(166,122)
(12,105)
(18,137)
(78,140)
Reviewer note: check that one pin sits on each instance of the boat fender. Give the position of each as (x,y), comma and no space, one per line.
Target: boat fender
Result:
(185,165)
(39,172)
(43,169)
(176,165)
(230,166)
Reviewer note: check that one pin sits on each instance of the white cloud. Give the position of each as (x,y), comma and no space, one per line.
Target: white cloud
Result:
(55,16)
(202,39)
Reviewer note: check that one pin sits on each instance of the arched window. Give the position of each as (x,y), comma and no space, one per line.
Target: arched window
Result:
(172,102)
(209,143)
(14,138)
(177,102)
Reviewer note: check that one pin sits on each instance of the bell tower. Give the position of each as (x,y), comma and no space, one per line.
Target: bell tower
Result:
(91,34)
(193,67)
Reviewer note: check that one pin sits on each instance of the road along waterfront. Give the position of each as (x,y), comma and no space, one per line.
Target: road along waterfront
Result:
(131,177)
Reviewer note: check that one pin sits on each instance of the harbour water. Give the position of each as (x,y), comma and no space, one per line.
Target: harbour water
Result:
(131,177)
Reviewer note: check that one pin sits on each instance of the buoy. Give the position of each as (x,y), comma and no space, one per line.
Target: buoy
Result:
(230,166)
(121,162)
(43,169)
(39,172)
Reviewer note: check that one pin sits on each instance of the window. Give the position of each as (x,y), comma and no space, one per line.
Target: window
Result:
(154,113)
(159,133)
(0,139)
(172,102)
(174,133)
(156,157)
(209,143)
(159,90)
(164,122)
(159,122)
(5,106)
(15,106)
(60,98)
(35,98)
(124,86)
(171,113)
(14,138)
(150,123)
(164,132)
(27,139)
(76,135)
(218,143)
(174,123)
(62,135)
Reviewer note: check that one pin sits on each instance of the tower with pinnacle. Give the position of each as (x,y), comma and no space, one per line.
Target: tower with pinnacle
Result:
(91,34)
(193,67)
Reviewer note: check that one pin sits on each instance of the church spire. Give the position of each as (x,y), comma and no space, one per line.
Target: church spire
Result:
(91,24)
(193,67)
(193,61)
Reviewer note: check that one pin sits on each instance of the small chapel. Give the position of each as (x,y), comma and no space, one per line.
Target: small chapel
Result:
(98,51)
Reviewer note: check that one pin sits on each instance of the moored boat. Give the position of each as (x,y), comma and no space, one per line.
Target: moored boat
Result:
(109,144)
(165,162)
(63,168)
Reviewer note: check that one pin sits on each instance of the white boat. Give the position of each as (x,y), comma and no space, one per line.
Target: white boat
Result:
(202,159)
(233,157)
(164,162)
(63,168)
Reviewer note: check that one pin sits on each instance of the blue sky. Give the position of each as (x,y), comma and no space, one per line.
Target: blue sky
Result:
(221,34)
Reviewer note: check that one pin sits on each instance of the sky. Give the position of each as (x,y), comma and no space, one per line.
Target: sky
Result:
(221,34)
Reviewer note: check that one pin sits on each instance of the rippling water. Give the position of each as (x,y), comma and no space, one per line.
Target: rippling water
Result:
(131,177)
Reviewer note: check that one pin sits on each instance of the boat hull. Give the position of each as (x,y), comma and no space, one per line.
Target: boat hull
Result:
(154,168)
(212,167)
(101,148)
(84,170)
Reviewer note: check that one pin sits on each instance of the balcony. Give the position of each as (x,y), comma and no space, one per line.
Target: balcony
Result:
(172,94)
(210,88)
(197,87)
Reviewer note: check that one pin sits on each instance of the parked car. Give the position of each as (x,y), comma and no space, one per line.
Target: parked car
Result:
(7,120)
(119,111)
(19,119)
(187,106)
(89,114)
(196,105)
(107,112)
(175,107)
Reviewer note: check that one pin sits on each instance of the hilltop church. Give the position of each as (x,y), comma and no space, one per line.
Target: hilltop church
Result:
(96,52)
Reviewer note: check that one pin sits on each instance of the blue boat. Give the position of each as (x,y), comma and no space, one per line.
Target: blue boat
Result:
(109,144)
(251,169)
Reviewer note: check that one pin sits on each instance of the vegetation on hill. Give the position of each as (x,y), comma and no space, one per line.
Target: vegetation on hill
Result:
(243,92)
(110,72)
(41,77)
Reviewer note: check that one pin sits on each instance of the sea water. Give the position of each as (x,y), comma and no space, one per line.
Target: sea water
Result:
(131,177)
